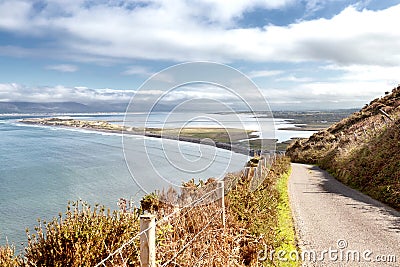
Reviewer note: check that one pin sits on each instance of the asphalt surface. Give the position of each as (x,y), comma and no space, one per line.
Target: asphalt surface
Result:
(338,223)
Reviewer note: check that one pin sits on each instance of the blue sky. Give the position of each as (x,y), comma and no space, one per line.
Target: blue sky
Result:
(306,54)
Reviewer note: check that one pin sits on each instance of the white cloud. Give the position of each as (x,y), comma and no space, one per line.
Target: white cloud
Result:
(361,44)
(15,51)
(292,78)
(312,6)
(137,70)
(17,92)
(202,91)
(344,93)
(175,30)
(14,15)
(300,99)
(372,73)
(264,73)
(63,68)
(226,11)
(344,89)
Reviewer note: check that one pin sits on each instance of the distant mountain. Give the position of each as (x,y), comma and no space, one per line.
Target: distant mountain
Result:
(75,107)
(362,150)
(60,107)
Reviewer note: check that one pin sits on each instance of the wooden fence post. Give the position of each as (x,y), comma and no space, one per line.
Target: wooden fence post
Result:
(255,172)
(221,199)
(246,172)
(148,240)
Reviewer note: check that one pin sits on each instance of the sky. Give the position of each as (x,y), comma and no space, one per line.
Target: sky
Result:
(309,54)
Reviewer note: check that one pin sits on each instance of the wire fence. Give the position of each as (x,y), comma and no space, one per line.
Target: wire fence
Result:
(193,231)
(177,216)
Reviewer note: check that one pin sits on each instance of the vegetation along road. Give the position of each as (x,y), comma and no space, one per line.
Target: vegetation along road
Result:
(339,226)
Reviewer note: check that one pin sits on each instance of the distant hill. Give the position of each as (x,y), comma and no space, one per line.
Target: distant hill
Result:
(60,107)
(74,107)
(362,150)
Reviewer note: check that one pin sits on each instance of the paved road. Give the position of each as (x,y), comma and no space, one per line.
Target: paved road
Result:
(328,214)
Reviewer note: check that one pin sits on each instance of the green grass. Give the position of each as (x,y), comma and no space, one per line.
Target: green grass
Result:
(285,233)
(266,213)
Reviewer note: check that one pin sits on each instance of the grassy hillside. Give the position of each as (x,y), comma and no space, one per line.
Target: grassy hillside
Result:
(362,150)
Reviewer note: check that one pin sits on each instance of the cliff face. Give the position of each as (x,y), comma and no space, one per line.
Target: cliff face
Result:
(362,150)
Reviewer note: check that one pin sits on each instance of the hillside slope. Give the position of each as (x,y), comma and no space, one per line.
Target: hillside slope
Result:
(362,150)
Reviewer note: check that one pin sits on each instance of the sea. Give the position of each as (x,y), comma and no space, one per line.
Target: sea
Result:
(42,167)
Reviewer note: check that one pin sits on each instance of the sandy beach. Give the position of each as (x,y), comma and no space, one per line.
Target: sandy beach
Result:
(224,138)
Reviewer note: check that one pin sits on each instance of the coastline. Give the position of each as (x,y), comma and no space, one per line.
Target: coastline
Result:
(106,127)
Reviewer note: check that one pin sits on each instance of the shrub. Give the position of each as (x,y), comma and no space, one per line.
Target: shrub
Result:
(8,257)
(82,238)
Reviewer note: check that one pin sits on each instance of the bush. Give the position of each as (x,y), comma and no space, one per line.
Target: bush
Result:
(82,238)
(8,257)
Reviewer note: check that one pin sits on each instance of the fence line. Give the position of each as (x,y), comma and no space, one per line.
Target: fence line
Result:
(221,200)
(186,245)
(130,241)
(220,188)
